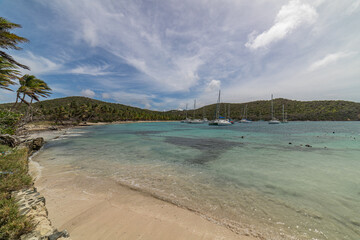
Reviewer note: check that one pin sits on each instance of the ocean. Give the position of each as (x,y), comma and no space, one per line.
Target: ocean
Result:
(299,180)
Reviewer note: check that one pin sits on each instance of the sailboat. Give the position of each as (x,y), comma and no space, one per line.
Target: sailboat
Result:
(273,119)
(195,121)
(186,116)
(284,115)
(244,119)
(218,121)
(228,114)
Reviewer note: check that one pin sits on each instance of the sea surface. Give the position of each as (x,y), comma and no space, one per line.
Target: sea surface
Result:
(254,178)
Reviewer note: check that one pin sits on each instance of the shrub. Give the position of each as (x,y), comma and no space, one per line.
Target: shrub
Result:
(13,167)
(9,122)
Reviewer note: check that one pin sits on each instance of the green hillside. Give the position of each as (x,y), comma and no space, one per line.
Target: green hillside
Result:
(296,110)
(77,109)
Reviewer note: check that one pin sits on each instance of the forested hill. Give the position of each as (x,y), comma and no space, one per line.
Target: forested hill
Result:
(78,109)
(86,109)
(296,110)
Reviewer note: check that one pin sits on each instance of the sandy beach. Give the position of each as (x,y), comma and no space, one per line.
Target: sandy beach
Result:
(94,208)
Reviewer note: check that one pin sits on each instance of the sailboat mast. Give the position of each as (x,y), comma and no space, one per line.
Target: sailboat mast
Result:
(283,113)
(246,111)
(218,106)
(272,107)
(194,107)
(186,110)
(229,111)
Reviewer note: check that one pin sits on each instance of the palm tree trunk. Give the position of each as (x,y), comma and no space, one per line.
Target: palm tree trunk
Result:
(17,98)
(31,109)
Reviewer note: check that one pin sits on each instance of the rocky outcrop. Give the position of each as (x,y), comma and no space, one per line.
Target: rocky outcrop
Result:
(32,204)
(9,140)
(33,145)
(36,144)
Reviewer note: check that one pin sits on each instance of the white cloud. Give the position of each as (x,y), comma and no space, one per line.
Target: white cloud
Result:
(329,59)
(290,17)
(178,47)
(7,96)
(105,95)
(213,85)
(91,70)
(38,64)
(355,6)
(88,93)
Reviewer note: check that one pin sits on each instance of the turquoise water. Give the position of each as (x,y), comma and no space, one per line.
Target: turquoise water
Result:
(246,176)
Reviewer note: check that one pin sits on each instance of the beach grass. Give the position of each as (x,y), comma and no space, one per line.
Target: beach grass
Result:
(13,176)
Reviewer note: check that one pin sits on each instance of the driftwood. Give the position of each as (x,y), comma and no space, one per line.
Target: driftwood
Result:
(9,140)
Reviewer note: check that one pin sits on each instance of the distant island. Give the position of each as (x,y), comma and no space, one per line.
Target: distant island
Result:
(83,109)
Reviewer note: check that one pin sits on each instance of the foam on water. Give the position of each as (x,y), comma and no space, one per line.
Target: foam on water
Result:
(246,176)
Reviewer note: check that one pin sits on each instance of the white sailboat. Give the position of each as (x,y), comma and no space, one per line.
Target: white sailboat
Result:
(244,119)
(284,115)
(186,116)
(218,121)
(195,121)
(273,119)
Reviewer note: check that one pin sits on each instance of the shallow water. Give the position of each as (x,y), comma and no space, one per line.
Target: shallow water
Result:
(245,176)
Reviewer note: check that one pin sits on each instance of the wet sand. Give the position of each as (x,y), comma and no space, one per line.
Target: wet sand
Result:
(94,208)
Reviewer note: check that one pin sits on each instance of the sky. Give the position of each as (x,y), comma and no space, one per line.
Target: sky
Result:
(163,54)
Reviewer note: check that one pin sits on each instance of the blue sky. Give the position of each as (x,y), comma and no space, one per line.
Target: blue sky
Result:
(163,54)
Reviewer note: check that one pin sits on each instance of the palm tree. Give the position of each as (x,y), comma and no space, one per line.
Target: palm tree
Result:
(10,40)
(32,87)
(8,73)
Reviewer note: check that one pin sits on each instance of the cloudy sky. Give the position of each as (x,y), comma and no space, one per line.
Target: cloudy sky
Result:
(163,54)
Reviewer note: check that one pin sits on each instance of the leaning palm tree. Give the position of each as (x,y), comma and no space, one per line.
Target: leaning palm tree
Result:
(32,87)
(10,40)
(8,73)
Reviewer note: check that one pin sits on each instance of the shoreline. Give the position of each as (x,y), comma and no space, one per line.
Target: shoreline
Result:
(90,205)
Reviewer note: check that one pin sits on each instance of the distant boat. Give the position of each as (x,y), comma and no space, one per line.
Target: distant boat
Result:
(219,121)
(273,119)
(195,121)
(229,116)
(186,117)
(284,115)
(244,119)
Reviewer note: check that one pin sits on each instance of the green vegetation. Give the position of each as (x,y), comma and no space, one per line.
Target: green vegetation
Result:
(296,110)
(32,87)
(10,40)
(8,66)
(13,176)
(80,109)
(8,73)
(9,122)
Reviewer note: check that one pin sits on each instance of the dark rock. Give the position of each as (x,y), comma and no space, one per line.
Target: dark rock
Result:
(290,143)
(58,234)
(242,137)
(53,128)
(24,211)
(9,140)
(36,144)
(307,145)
